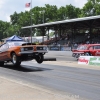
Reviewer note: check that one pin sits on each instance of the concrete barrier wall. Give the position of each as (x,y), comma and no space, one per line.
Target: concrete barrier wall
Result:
(62,53)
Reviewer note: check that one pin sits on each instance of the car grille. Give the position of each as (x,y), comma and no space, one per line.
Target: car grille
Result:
(28,48)
(39,48)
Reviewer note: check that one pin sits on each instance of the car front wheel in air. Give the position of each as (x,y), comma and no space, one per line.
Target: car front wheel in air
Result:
(39,58)
(15,60)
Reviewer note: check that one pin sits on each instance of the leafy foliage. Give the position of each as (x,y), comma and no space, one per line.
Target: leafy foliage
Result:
(48,13)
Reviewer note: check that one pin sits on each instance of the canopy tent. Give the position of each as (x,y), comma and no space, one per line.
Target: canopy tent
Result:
(14,38)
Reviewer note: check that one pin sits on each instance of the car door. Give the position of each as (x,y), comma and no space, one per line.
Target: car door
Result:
(91,50)
(4,52)
(97,50)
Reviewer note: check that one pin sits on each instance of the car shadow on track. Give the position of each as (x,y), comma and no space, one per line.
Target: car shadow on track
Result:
(25,68)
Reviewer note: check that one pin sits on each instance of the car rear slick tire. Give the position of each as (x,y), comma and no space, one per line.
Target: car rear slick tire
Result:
(73,55)
(39,58)
(15,60)
(1,63)
(77,55)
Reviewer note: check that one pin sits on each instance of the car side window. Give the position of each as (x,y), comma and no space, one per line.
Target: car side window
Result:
(0,48)
(4,47)
(97,47)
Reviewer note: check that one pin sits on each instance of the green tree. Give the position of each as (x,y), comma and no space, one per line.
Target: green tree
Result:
(91,8)
(50,13)
(72,12)
(3,26)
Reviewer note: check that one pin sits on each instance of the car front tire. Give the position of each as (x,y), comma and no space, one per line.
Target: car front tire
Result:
(39,58)
(87,54)
(15,60)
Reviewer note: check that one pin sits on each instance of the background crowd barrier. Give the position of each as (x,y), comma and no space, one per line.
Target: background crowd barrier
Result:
(89,60)
(59,48)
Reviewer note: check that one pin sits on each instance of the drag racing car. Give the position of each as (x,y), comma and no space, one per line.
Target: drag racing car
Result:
(18,51)
(86,50)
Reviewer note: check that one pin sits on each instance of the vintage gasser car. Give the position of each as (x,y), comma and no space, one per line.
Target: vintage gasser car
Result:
(86,50)
(19,51)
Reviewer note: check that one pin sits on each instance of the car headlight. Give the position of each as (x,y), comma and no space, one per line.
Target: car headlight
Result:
(22,49)
(44,48)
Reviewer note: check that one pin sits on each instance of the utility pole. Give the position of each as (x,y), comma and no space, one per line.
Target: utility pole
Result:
(43,23)
(43,15)
(31,20)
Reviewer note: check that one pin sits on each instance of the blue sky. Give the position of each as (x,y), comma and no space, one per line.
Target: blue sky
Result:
(8,7)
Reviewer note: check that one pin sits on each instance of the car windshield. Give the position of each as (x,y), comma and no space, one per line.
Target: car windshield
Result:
(82,47)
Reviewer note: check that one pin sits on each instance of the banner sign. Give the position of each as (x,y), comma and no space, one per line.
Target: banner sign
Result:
(83,60)
(59,48)
(89,60)
(54,48)
(94,61)
(65,48)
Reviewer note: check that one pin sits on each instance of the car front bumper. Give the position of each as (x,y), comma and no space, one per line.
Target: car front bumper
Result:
(33,52)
